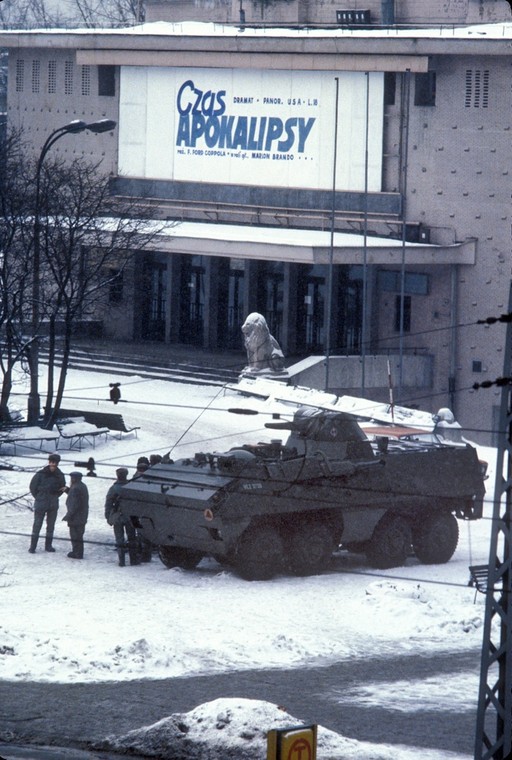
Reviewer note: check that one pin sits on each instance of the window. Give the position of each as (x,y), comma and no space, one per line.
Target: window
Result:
(107,80)
(116,286)
(389,88)
(52,76)
(415,283)
(406,313)
(477,88)
(36,76)
(68,78)
(20,75)
(425,89)
(86,80)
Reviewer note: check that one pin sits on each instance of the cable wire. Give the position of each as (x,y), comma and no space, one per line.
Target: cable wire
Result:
(350,571)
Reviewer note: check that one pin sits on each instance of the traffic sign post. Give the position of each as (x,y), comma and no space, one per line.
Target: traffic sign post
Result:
(293,743)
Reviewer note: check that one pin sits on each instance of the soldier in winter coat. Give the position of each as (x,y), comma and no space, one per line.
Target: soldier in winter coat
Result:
(122,525)
(46,486)
(77,504)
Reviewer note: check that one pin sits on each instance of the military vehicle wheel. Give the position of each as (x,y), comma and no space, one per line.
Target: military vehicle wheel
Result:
(391,542)
(177,556)
(310,548)
(435,540)
(259,553)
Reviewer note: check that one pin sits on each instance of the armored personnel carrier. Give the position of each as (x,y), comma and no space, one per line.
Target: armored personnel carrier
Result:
(276,507)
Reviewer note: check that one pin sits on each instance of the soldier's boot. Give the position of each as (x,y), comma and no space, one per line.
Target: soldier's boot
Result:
(121,555)
(48,543)
(33,544)
(145,551)
(133,553)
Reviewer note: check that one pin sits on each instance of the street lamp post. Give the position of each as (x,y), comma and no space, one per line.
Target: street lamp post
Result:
(73,128)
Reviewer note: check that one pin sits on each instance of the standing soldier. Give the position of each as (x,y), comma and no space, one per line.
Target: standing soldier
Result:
(77,504)
(124,531)
(145,547)
(46,486)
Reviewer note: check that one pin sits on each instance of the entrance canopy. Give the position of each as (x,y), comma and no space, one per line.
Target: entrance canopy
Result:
(304,246)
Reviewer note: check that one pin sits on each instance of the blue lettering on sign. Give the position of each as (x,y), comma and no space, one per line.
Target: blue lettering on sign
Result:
(190,99)
(203,118)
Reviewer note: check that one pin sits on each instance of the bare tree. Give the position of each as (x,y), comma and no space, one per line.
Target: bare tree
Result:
(88,236)
(85,237)
(28,14)
(15,265)
(110,12)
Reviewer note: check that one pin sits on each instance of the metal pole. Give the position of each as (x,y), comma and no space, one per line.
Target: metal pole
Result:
(454,310)
(364,327)
(493,740)
(331,250)
(406,86)
(74,127)
(34,406)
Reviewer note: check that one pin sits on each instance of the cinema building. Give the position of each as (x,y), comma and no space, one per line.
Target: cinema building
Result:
(349,177)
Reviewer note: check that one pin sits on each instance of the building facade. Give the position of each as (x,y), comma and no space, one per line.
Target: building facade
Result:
(325,12)
(350,181)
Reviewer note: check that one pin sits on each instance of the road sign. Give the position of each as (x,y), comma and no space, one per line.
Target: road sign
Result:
(293,743)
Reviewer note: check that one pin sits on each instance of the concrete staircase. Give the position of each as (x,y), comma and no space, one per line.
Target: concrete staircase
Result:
(132,360)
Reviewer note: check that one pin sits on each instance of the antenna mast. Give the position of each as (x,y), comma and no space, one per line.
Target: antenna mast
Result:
(494,718)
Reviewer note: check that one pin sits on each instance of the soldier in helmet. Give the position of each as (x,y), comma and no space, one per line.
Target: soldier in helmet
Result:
(145,546)
(124,531)
(447,426)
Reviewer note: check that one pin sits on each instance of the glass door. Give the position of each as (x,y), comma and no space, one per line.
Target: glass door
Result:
(192,300)
(154,301)
(311,307)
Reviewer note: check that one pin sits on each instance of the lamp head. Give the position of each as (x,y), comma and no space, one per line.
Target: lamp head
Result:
(77,125)
(103,125)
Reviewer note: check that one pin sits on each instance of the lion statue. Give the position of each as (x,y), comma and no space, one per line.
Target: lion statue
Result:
(263,350)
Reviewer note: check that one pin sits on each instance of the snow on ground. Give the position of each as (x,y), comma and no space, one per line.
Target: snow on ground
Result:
(70,621)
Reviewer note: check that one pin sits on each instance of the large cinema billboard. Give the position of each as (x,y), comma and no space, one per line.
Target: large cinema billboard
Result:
(273,128)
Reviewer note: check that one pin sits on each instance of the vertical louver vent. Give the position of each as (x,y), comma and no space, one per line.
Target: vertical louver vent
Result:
(477,88)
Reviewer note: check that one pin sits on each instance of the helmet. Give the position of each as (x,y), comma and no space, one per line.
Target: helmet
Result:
(446,415)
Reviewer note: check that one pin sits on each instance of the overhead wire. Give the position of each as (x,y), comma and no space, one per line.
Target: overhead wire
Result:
(300,402)
(303,402)
(487,321)
(202,409)
(319,500)
(349,571)
(415,334)
(413,400)
(315,483)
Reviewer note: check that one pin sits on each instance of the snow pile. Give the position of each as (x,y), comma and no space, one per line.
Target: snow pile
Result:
(236,729)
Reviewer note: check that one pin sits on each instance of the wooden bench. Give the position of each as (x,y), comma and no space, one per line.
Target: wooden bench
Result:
(112,421)
(479,578)
(77,431)
(25,434)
